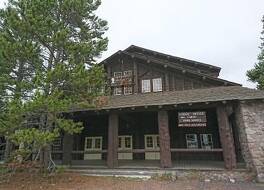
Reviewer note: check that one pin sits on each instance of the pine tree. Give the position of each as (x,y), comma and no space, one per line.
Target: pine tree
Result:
(257,73)
(51,46)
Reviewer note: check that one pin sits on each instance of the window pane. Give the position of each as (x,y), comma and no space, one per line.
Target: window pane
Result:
(191,141)
(206,141)
(88,143)
(127,90)
(149,142)
(145,86)
(158,144)
(117,91)
(157,85)
(127,142)
(97,143)
(119,142)
(127,73)
(118,74)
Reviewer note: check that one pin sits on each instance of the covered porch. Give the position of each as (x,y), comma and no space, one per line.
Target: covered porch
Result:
(154,137)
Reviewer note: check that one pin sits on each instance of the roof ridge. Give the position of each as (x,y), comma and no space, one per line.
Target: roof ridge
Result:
(176,57)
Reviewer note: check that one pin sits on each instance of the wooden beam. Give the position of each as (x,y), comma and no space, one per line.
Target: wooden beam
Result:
(164,138)
(135,72)
(226,138)
(112,160)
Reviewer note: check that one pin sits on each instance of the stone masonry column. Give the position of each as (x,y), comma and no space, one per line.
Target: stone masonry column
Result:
(112,159)
(67,149)
(250,120)
(226,138)
(164,138)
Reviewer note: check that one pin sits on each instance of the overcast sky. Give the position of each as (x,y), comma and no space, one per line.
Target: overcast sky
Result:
(225,33)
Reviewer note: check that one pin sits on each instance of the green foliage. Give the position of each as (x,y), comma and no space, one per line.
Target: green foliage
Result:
(257,73)
(48,66)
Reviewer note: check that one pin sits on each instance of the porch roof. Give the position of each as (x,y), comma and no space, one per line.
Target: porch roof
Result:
(182,97)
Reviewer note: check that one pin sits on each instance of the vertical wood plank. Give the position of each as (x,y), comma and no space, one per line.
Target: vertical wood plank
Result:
(226,138)
(164,138)
(112,159)
(167,82)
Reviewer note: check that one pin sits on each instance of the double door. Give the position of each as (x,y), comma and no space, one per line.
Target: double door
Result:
(92,148)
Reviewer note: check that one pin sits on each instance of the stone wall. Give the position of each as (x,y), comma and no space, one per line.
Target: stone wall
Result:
(250,121)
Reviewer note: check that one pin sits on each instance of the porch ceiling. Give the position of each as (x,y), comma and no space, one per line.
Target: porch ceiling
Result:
(215,94)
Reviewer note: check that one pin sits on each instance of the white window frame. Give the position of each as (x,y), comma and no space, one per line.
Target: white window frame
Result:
(118,74)
(157,84)
(126,92)
(127,73)
(209,144)
(123,142)
(145,86)
(155,141)
(117,93)
(188,142)
(93,143)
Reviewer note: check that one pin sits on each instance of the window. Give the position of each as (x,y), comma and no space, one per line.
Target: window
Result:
(127,73)
(127,90)
(89,143)
(146,86)
(119,142)
(118,74)
(149,142)
(117,91)
(206,141)
(93,143)
(152,142)
(191,141)
(97,143)
(157,85)
(127,142)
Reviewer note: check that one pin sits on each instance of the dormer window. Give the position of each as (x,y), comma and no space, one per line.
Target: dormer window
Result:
(157,85)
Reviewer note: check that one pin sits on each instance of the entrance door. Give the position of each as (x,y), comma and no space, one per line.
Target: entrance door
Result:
(93,144)
(152,143)
(125,144)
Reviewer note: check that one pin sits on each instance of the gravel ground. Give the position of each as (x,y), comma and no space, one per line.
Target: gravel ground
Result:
(77,182)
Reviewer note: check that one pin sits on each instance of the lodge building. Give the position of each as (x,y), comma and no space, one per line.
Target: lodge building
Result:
(168,112)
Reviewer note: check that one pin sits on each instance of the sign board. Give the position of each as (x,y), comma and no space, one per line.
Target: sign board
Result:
(192,119)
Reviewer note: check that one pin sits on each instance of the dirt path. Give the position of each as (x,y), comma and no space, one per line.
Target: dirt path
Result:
(77,182)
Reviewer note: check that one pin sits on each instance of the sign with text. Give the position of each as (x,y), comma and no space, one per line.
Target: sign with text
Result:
(192,119)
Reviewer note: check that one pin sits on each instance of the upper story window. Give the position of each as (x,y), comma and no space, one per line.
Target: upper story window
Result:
(118,91)
(127,73)
(146,86)
(157,85)
(118,75)
(127,90)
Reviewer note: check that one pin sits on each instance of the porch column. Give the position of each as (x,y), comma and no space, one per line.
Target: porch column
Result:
(112,159)
(226,138)
(67,149)
(164,138)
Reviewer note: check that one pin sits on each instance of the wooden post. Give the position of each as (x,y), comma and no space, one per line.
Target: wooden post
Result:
(112,159)
(135,72)
(164,138)
(226,138)
(67,149)
(167,85)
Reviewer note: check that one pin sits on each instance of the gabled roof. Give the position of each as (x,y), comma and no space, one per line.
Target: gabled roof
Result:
(171,58)
(168,63)
(215,94)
